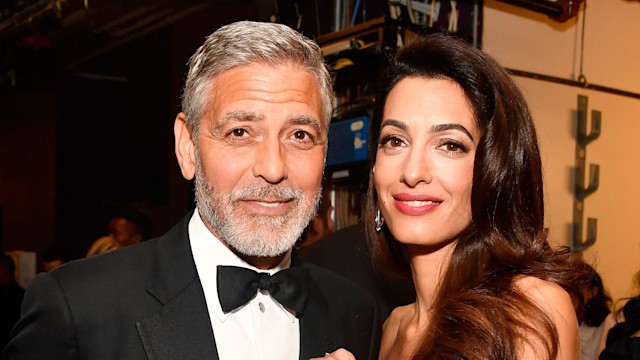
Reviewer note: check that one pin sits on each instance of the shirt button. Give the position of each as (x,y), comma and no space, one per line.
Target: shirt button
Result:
(261,306)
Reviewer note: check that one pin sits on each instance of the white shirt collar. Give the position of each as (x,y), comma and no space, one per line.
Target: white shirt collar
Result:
(209,252)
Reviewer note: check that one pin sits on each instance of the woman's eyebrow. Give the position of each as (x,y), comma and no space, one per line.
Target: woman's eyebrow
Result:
(395,123)
(445,127)
(434,129)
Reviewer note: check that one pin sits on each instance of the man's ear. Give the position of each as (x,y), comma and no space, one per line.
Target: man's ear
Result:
(185,148)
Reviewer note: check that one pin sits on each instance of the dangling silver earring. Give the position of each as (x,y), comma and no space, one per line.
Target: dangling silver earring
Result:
(379,220)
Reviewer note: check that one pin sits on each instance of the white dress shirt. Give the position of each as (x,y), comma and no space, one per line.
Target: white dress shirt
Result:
(261,329)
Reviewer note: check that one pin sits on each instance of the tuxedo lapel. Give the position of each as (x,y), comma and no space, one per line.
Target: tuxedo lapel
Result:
(315,337)
(181,329)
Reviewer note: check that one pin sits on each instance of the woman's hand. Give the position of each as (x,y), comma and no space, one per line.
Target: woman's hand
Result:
(340,354)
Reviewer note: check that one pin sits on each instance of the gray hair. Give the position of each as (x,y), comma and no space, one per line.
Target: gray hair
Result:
(244,43)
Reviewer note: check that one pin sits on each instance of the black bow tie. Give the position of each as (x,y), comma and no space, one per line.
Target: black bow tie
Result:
(238,285)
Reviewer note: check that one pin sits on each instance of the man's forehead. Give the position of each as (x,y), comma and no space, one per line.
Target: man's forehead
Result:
(242,92)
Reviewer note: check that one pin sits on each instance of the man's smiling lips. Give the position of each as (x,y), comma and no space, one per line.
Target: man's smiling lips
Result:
(415,204)
(269,206)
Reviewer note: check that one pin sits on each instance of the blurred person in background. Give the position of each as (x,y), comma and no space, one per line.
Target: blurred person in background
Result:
(620,339)
(598,306)
(127,226)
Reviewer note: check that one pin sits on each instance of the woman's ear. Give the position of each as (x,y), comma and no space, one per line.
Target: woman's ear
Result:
(185,148)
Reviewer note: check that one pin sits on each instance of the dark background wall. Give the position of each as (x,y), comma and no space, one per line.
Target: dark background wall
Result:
(27,168)
(114,138)
(98,136)
(77,139)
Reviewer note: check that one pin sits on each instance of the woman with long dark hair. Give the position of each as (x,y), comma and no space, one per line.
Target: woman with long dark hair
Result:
(456,199)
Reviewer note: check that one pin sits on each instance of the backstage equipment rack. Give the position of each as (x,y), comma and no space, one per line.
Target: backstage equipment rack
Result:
(580,190)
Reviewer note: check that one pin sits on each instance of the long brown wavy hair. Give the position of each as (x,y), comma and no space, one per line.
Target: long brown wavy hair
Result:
(478,311)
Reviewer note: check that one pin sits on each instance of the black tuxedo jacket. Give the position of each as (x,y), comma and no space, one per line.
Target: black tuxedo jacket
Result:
(346,253)
(146,302)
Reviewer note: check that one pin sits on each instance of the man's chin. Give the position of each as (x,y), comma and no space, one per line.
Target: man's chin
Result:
(256,235)
(259,255)
(270,250)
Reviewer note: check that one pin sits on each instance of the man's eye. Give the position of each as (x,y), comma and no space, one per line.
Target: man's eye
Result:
(238,132)
(300,135)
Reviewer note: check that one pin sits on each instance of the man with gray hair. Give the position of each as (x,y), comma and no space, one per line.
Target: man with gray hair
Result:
(222,283)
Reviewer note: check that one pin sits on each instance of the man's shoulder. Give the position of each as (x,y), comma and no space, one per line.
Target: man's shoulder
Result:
(351,238)
(351,311)
(129,260)
(334,285)
(320,273)
(339,250)
(132,260)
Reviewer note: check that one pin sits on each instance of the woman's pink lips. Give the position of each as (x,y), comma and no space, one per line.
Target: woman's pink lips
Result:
(415,204)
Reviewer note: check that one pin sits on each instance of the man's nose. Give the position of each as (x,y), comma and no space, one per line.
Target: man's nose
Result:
(270,161)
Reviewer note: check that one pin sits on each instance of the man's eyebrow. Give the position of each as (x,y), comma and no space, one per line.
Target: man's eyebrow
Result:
(238,116)
(306,120)
(445,127)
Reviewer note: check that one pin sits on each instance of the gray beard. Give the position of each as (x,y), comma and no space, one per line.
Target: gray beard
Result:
(253,234)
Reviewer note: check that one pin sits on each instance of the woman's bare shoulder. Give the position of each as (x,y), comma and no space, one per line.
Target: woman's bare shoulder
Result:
(542,291)
(392,331)
(557,304)
(398,316)
(551,298)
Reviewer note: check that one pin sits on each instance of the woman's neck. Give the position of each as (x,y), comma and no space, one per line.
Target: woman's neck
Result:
(427,267)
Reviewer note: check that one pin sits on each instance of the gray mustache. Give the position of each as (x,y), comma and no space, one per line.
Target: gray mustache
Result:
(261,191)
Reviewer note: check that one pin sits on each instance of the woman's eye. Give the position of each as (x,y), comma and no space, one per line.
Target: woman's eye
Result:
(391,141)
(452,147)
